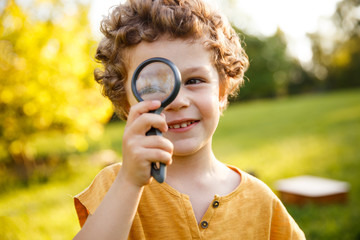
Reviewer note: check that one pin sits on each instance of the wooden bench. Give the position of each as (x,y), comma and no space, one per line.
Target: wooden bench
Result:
(304,189)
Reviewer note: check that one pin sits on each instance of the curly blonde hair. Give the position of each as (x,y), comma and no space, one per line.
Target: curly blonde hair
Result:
(146,20)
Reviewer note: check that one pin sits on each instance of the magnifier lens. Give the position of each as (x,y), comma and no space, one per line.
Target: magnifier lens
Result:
(155,82)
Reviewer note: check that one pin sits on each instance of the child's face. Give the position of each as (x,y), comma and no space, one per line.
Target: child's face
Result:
(193,116)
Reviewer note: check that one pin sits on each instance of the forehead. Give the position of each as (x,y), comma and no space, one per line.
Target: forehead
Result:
(183,53)
(189,55)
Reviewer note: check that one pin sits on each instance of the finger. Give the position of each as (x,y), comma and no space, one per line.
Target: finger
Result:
(146,121)
(158,142)
(156,155)
(143,156)
(141,108)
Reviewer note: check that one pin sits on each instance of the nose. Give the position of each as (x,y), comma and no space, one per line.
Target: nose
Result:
(181,101)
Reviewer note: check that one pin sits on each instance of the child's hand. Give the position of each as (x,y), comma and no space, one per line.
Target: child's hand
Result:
(140,150)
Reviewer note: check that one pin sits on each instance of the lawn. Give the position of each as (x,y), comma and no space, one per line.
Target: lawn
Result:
(310,134)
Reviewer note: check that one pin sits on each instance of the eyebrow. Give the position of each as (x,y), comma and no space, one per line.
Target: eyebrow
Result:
(196,69)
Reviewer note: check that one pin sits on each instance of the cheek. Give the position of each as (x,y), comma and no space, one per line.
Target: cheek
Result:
(210,105)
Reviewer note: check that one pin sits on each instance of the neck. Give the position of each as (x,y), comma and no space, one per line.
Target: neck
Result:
(201,163)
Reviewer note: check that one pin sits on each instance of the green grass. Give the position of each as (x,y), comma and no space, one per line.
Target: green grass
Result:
(45,211)
(311,134)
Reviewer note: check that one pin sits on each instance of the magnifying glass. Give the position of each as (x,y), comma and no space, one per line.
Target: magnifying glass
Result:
(156,79)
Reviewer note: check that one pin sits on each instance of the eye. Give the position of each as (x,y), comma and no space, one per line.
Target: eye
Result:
(150,90)
(193,81)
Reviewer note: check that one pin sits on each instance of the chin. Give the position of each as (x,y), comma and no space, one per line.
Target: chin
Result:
(187,148)
(184,152)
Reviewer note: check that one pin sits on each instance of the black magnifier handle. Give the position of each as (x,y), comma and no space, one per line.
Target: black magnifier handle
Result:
(158,173)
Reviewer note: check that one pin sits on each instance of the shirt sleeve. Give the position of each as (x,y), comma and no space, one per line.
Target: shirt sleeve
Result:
(88,200)
(283,226)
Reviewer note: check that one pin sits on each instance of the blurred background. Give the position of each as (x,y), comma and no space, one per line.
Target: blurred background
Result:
(298,112)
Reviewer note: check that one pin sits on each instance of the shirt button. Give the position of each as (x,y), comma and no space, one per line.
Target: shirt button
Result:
(215,204)
(204,224)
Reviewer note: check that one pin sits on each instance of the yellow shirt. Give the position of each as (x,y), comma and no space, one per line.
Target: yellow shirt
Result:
(251,211)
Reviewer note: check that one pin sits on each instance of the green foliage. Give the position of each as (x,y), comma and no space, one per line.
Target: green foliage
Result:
(335,63)
(272,72)
(336,57)
(46,79)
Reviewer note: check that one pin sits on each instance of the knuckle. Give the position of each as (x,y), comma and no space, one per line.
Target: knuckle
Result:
(164,156)
(170,146)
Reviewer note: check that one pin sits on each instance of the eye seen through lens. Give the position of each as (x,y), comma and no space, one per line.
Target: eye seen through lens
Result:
(155,82)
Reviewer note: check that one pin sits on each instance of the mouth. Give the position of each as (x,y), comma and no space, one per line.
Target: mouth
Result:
(182,124)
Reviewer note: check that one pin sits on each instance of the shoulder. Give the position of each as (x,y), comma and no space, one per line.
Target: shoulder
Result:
(103,180)
(101,183)
(253,186)
(88,200)
(264,206)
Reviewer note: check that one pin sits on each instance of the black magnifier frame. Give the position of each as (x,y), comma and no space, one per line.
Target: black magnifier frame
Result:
(158,173)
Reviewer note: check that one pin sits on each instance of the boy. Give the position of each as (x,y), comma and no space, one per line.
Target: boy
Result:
(201,198)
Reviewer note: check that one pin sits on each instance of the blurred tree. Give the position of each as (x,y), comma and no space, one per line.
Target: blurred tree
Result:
(272,71)
(336,51)
(46,81)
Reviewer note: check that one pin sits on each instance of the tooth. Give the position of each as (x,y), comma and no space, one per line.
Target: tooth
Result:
(176,126)
(184,125)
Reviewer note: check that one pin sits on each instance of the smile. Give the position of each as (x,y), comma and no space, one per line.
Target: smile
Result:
(181,125)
